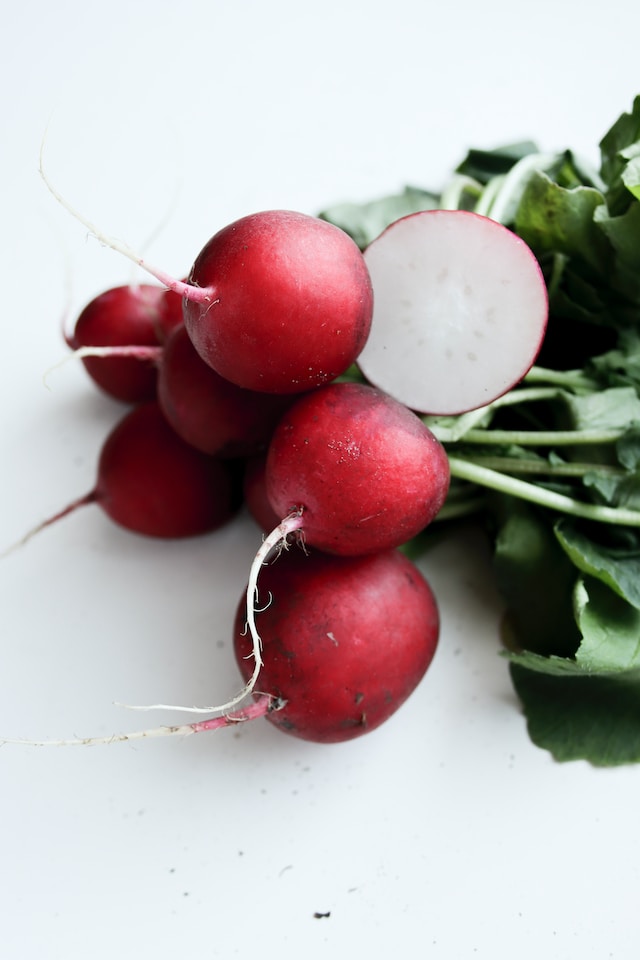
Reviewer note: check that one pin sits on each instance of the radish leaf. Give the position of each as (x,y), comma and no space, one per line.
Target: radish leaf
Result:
(582,718)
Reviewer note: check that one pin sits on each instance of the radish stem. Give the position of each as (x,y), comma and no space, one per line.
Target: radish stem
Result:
(467,470)
(541,466)
(543,438)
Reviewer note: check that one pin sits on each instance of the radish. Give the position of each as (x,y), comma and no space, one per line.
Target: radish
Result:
(359,470)
(137,318)
(460,311)
(277,301)
(153,483)
(345,640)
(255,493)
(288,302)
(209,412)
(352,472)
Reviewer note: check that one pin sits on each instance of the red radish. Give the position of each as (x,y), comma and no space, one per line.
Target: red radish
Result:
(209,412)
(277,301)
(136,317)
(362,471)
(255,493)
(288,304)
(460,311)
(153,483)
(169,314)
(345,640)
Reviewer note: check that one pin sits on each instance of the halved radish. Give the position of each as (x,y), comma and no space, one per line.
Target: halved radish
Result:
(460,311)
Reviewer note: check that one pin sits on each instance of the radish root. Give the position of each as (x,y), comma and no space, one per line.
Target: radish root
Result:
(263,704)
(137,352)
(70,508)
(278,539)
(186,290)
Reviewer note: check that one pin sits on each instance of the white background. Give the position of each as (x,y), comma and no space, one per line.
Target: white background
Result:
(446,831)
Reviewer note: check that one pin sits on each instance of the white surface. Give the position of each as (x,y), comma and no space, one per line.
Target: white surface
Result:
(445,831)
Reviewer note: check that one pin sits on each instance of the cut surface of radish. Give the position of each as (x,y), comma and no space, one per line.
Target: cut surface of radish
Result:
(460,311)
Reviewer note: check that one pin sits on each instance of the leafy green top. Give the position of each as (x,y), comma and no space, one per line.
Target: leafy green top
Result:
(553,467)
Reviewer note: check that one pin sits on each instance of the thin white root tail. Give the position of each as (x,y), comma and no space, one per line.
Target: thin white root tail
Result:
(146,352)
(262,705)
(172,283)
(278,539)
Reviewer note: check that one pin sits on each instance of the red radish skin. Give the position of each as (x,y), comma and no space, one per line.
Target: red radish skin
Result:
(129,316)
(169,314)
(209,412)
(285,302)
(151,482)
(277,302)
(345,640)
(255,493)
(361,470)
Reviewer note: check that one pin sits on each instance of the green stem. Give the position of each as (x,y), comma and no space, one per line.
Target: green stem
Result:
(526,395)
(543,467)
(541,438)
(488,195)
(458,186)
(465,470)
(562,378)
(460,427)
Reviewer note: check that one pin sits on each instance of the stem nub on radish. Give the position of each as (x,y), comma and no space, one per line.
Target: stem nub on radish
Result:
(153,483)
(129,316)
(345,640)
(279,302)
(460,311)
(361,470)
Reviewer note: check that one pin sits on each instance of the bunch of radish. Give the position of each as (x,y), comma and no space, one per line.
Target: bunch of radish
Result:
(236,377)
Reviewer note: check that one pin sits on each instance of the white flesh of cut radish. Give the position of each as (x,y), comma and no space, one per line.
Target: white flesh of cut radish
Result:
(460,311)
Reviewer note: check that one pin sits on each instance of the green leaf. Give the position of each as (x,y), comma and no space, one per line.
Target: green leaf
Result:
(483,165)
(366,221)
(536,578)
(617,568)
(623,234)
(611,409)
(610,643)
(554,219)
(610,628)
(614,491)
(624,133)
(622,364)
(628,448)
(596,719)
(631,177)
